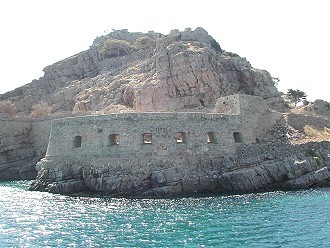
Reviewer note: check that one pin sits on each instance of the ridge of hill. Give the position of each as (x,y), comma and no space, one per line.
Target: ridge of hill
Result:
(138,72)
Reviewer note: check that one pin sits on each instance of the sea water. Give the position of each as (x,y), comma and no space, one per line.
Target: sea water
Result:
(274,219)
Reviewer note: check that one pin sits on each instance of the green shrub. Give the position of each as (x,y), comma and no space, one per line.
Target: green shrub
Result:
(143,42)
(115,48)
(311,153)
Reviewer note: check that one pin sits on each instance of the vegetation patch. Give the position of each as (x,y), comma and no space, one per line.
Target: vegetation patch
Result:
(116,48)
(317,132)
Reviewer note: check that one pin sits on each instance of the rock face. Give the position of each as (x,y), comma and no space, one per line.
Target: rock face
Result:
(279,166)
(221,174)
(22,144)
(177,72)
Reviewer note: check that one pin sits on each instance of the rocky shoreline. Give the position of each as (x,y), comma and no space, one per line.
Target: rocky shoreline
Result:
(271,167)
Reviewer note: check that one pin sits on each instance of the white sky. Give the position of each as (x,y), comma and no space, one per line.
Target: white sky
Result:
(288,38)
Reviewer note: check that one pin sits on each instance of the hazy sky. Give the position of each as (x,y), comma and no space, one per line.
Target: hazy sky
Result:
(288,38)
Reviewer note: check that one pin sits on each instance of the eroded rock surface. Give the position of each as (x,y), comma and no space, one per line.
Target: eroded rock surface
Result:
(255,168)
(179,71)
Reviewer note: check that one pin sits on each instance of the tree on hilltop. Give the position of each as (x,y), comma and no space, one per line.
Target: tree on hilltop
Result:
(113,47)
(296,96)
(144,42)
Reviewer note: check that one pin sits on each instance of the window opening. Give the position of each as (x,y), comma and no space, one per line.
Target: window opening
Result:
(211,138)
(113,139)
(147,138)
(180,137)
(238,137)
(77,141)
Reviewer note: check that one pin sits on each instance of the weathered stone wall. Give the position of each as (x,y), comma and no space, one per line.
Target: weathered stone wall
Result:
(256,118)
(164,127)
(251,120)
(40,136)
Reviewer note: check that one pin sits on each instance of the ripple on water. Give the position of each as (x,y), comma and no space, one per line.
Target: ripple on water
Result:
(275,219)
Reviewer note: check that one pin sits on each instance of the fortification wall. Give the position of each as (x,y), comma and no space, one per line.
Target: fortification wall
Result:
(256,118)
(199,133)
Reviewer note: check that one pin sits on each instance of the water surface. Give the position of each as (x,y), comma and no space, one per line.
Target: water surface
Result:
(275,219)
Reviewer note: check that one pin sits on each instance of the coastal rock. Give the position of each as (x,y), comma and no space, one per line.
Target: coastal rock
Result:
(22,145)
(294,172)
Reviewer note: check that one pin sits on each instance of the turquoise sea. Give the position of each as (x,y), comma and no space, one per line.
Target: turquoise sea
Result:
(275,219)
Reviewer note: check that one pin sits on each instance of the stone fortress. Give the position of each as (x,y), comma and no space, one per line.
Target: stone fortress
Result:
(156,154)
(168,115)
(148,142)
(237,119)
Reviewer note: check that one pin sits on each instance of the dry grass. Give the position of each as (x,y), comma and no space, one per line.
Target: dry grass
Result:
(41,109)
(317,132)
(314,134)
(7,107)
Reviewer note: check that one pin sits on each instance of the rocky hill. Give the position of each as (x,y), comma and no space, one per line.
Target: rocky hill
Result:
(151,72)
(124,72)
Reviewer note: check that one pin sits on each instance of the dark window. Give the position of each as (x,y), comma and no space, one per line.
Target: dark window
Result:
(113,139)
(238,137)
(180,137)
(77,141)
(147,138)
(211,138)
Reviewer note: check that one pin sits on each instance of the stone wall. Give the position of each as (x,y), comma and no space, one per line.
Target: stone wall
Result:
(96,133)
(256,118)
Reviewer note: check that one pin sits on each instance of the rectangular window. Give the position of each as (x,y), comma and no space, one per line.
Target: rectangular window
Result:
(147,138)
(238,137)
(180,137)
(113,139)
(77,141)
(211,138)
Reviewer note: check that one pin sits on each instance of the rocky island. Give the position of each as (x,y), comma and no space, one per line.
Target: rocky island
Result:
(147,114)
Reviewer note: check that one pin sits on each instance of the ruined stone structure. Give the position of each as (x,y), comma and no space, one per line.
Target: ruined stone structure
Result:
(135,153)
(169,133)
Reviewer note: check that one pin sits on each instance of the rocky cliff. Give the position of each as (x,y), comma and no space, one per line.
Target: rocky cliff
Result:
(125,71)
(22,144)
